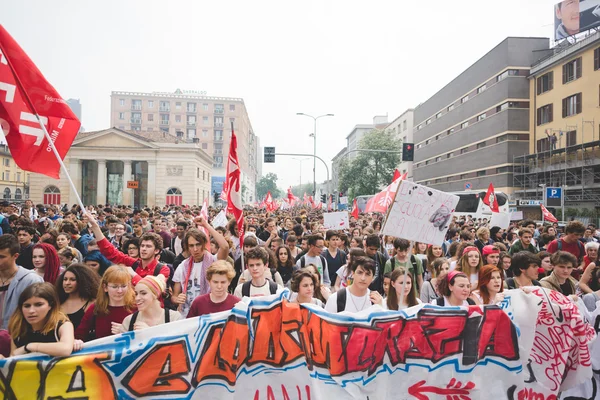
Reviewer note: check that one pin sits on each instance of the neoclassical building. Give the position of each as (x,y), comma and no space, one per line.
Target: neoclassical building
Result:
(114,167)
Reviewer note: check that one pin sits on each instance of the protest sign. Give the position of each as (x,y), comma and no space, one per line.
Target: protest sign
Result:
(421,214)
(336,220)
(220,220)
(500,219)
(273,349)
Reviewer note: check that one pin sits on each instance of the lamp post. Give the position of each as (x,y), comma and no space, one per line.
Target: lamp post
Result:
(300,160)
(314,135)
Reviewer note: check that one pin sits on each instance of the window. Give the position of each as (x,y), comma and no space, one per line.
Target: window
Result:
(428,121)
(136,104)
(121,102)
(204,146)
(219,108)
(502,170)
(136,118)
(481,173)
(218,135)
(481,89)
(506,74)
(232,107)
(450,131)
(545,82)
(420,127)
(464,99)
(572,70)
(571,105)
(481,117)
(164,106)
(205,120)
(178,118)
(150,117)
(219,122)
(502,138)
(419,146)
(150,103)
(464,124)
(164,119)
(51,195)
(427,162)
(218,148)
(571,138)
(178,105)
(427,142)
(404,139)
(464,150)
(403,125)
(544,114)
(437,137)
(438,159)
(121,115)
(204,132)
(191,107)
(450,107)
(205,106)
(502,107)
(597,59)
(18,175)
(7,162)
(191,133)
(481,145)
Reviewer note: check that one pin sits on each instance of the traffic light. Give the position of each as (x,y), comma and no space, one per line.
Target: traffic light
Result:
(215,196)
(323,198)
(408,151)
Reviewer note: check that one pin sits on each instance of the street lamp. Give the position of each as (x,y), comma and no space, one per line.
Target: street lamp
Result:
(314,135)
(300,160)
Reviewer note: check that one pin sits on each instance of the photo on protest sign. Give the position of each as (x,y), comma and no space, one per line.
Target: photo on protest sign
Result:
(420,213)
(336,220)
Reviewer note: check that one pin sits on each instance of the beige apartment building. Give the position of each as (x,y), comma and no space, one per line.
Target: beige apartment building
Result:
(197,118)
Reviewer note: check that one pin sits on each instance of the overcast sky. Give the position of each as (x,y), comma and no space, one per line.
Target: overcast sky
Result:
(355,59)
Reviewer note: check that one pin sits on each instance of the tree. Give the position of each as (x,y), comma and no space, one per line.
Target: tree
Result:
(299,190)
(369,172)
(265,184)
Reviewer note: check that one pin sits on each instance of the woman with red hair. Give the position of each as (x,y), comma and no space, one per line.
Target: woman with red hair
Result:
(46,262)
(490,287)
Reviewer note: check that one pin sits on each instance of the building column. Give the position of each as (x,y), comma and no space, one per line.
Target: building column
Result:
(75,173)
(127,193)
(101,188)
(151,183)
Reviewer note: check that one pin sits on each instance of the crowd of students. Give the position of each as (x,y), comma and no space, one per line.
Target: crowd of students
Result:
(68,276)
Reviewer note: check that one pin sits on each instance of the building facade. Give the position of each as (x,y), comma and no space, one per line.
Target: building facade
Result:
(196,117)
(402,128)
(564,146)
(118,167)
(14,181)
(469,132)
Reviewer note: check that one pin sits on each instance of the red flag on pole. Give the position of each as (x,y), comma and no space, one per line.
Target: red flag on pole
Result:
(204,215)
(547,215)
(329,205)
(234,185)
(28,101)
(354,212)
(490,199)
(396,175)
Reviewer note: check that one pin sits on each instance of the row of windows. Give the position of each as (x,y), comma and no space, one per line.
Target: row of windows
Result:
(571,71)
(470,175)
(570,106)
(480,89)
(479,145)
(136,104)
(6,176)
(18,194)
(136,118)
(478,118)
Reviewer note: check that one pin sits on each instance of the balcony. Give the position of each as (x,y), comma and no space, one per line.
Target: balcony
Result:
(165,108)
(218,138)
(191,124)
(191,110)
(137,121)
(164,122)
(219,111)
(136,107)
(218,152)
(218,124)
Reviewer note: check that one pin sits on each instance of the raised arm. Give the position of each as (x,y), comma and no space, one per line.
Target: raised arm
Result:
(223,252)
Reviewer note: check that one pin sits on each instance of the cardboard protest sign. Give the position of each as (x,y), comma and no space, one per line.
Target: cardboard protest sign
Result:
(336,220)
(220,220)
(420,213)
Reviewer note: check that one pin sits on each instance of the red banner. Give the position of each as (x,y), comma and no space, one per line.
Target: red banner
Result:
(234,185)
(354,212)
(547,215)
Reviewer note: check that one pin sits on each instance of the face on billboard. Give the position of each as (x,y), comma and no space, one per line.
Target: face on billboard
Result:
(567,12)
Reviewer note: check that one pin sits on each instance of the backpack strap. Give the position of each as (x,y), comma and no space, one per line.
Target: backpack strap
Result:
(510,283)
(323,263)
(158,268)
(273,287)
(559,244)
(341,300)
(246,289)
(413,261)
(302,262)
(470,301)
(393,262)
(439,301)
(167,316)
(133,319)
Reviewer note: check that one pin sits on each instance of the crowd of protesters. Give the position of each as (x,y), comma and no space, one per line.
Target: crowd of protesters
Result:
(68,276)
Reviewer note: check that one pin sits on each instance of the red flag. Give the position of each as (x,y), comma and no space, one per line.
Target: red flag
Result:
(234,185)
(547,215)
(354,212)
(382,200)
(329,205)
(490,199)
(204,215)
(396,175)
(24,95)
(291,197)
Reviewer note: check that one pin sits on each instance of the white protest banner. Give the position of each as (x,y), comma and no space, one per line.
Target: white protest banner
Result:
(220,220)
(336,220)
(344,200)
(531,346)
(420,213)
(500,219)
(516,215)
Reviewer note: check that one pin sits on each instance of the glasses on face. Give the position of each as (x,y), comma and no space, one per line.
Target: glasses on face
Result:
(117,287)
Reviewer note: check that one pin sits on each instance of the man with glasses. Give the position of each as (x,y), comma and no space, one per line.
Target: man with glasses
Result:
(313,256)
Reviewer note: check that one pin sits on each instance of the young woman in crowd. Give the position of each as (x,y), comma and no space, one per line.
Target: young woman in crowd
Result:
(402,293)
(46,262)
(429,291)
(67,257)
(433,253)
(470,263)
(490,286)
(303,287)
(38,325)
(546,268)
(77,288)
(150,312)
(97,262)
(322,292)
(420,251)
(496,234)
(344,273)
(455,289)
(115,301)
(483,238)
(64,240)
(453,254)
(356,243)
(285,265)
(506,261)
(132,247)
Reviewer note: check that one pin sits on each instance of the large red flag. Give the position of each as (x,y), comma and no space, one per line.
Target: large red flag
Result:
(490,199)
(382,200)
(24,95)
(354,212)
(234,186)
(204,215)
(547,215)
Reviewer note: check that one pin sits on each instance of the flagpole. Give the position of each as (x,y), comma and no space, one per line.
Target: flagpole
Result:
(46,134)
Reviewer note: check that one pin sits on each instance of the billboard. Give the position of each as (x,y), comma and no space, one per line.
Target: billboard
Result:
(574,16)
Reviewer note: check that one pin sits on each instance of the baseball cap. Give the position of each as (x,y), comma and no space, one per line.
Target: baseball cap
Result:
(489,249)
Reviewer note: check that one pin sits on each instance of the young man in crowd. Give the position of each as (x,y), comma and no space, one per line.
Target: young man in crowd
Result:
(401,259)
(25,237)
(525,267)
(334,257)
(177,241)
(524,242)
(560,279)
(372,246)
(13,278)
(491,255)
(570,243)
(219,276)
(258,264)
(313,256)
(111,224)
(356,297)
(160,228)
(270,230)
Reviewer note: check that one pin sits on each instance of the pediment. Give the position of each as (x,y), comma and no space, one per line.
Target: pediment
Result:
(111,139)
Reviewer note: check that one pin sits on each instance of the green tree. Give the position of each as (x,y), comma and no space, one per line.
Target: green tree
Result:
(368,172)
(265,184)
(299,190)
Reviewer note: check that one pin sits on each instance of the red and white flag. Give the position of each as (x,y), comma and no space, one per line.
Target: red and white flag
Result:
(382,200)
(396,175)
(290,196)
(269,202)
(547,215)
(354,212)
(490,199)
(24,95)
(234,185)
(204,215)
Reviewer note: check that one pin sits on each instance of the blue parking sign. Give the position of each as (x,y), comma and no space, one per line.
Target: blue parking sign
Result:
(553,196)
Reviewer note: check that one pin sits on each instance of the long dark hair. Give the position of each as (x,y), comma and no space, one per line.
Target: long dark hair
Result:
(392,298)
(88,282)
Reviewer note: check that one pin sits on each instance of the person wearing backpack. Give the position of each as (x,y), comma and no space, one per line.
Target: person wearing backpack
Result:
(314,256)
(401,259)
(570,243)
(356,297)
(257,263)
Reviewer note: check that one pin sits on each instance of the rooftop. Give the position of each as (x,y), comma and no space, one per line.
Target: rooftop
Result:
(178,94)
